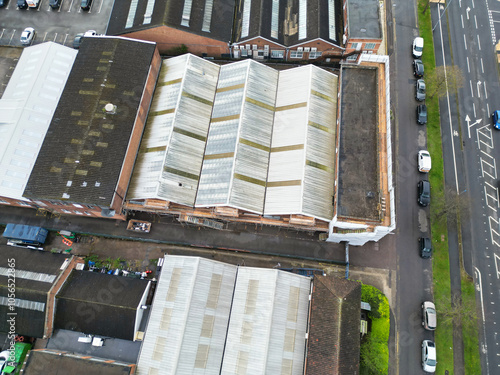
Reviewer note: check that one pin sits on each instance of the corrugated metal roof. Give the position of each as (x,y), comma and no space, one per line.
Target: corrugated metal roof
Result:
(268,323)
(302,161)
(196,326)
(27,107)
(189,317)
(171,153)
(236,158)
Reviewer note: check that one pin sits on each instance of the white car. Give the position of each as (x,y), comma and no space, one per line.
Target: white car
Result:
(429,356)
(424,161)
(418,47)
(4,356)
(27,36)
(429,316)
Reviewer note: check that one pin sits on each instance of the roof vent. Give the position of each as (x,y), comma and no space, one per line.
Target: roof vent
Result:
(110,108)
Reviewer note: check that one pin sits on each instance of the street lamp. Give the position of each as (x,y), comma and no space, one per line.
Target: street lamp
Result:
(439,20)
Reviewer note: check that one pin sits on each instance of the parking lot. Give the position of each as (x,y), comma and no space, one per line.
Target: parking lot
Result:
(56,25)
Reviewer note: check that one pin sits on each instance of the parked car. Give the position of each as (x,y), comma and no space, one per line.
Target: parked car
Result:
(85,4)
(418,68)
(420,90)
(422,114)
(424,193)
(27,36)
(429,316)
(495,117)
(418,47)
(424,161)
(3,3)
(429,356)
(425,246)
(78,40)
(4,356)
(54,4)
(22,4)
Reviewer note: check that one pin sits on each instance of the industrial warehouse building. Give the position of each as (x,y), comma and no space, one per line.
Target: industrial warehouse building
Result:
(207,143)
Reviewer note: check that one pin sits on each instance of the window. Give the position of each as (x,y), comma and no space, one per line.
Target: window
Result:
(296,54)
(3,202)
(370,45)
(65,211)
(78,212)
(314,55)
(279,54)
(77,205)
(356,46)
(352,57)
(87,213)
(24,204)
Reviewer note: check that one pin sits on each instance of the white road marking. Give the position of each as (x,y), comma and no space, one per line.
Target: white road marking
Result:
(468,67)
(494,230)
(462,18)
(471,90)
(482,67)
(465,42)
(475,20)
(485,92)
(474,109)
(479,287)
(478,42)
(487,108)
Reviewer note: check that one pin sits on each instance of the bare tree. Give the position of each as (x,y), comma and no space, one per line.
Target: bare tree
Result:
(450,204)
(456,312)
(444,78)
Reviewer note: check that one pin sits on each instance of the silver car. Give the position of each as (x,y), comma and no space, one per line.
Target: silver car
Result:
(429,316)
(27,36)
(420,90)
(429,356)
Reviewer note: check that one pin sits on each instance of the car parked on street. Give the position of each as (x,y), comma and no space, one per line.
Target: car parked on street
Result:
(418,68)
(429,316)
(425,247)
(424,161)
(422,114)
(22,4)
(3,3)
(417,47)
(495,117)
(429,356)
(27,36)
(420,90)
(424,193)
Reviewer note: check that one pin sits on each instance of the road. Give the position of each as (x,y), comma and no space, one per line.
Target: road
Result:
(469,146)
(414,273)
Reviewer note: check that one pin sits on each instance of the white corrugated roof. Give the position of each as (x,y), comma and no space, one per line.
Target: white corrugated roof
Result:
(197,327)
(27,107)
(302,161)
(234,169)
(169,161)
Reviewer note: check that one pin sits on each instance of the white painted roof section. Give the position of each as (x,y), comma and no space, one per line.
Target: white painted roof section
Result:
(209,317)
(189,317)
(268,323)
(171,153)
(27,107)
(302,161)
(236,158)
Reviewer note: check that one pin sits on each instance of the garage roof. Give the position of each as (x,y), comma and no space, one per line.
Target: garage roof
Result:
(27,107)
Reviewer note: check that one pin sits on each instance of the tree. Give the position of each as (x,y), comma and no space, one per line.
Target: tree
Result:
(451,205)
(444,78)
(456,313)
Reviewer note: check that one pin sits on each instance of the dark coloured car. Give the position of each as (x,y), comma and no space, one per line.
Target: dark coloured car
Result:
(425,246)
(422,114)
(22,4)
(78,40)
(54,4)
(495,117)
(418,68)
(420,90)
(424,193)
(3,3)
(85,4)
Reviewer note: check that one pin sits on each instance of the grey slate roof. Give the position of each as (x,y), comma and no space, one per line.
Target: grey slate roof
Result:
(84,149)
(100,304)
(323,19)
(209,18)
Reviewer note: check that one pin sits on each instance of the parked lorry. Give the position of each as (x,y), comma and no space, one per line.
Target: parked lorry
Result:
(33,3)
(25,236)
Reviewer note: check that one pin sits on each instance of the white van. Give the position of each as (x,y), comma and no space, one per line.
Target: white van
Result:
(33,3)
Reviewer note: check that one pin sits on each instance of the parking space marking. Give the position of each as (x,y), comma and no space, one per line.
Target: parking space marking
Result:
(493,197)
(486,168)
(497,259)
(65,38)
(70,6)
(12,36)
(1,35)
(494,231)
(484,136)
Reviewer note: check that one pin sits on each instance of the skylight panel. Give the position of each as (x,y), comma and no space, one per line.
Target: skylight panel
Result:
(302,19)
(331,20)
(131,14)
(186,12)
(275,19)
(245,27)
(207,16)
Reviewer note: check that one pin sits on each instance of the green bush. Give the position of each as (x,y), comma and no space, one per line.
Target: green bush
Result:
(374,351)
